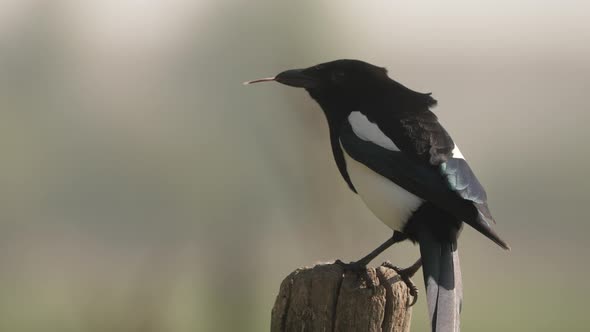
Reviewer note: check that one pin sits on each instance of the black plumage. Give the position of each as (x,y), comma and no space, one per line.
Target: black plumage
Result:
(410,164)
(450,185)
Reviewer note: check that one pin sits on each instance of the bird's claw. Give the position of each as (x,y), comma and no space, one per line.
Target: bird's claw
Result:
(405,275)
(359,269)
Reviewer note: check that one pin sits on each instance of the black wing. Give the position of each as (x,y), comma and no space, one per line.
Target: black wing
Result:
(444,184)
(418,134)
(421,137)
(462,180)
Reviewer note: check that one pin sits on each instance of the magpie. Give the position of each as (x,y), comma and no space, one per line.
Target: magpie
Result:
(393,152)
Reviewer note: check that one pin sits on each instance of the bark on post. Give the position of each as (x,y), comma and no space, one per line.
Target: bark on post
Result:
(324,298)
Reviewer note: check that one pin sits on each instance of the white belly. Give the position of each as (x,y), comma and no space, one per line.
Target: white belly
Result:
(389,202)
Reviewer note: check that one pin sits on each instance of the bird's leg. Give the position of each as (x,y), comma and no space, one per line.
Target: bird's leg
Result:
(361,265)
(405,275)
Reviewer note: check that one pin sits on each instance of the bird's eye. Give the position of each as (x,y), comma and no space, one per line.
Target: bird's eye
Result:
(338,76)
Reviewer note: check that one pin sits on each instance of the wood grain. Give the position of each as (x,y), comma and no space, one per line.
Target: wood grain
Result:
(325,298)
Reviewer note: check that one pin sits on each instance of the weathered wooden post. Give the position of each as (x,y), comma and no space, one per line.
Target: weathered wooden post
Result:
(324,298)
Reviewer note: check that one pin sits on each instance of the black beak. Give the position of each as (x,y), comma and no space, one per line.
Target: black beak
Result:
(294,77)
(297,78)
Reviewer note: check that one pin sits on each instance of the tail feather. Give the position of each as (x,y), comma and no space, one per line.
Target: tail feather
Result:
(444,288)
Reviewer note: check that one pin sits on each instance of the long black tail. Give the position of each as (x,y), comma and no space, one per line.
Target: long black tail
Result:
(442,278)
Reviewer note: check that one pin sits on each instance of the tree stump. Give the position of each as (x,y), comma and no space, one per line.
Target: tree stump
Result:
(324,298)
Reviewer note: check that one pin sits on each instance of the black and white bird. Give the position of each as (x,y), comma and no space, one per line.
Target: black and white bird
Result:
(392,151)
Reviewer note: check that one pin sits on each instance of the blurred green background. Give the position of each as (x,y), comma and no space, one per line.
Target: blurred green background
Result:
(143,188)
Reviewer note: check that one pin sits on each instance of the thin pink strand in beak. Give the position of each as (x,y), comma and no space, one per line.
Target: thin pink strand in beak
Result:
(266,79)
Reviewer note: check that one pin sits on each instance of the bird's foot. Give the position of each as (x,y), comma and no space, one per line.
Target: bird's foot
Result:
(405,275)
(359,269)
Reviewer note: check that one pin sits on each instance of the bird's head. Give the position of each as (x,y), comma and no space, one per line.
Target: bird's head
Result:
(342,81)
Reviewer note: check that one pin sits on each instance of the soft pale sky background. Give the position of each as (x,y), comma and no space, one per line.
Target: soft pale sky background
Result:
(145,189)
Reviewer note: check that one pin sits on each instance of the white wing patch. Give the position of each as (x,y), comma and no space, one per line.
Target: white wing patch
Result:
(457,153)
(368,131)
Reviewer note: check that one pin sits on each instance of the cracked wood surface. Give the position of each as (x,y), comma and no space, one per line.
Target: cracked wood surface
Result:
(324,298)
